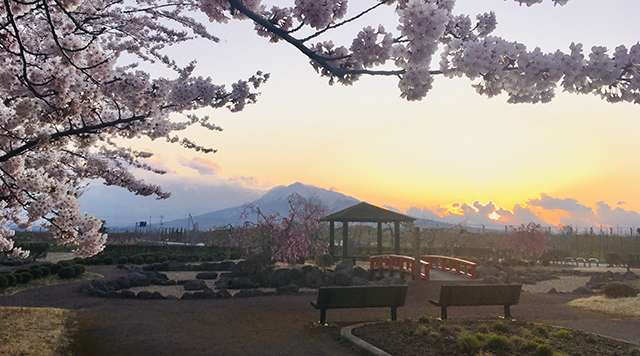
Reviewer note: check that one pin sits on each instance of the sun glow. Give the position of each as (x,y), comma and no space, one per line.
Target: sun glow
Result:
(494,216)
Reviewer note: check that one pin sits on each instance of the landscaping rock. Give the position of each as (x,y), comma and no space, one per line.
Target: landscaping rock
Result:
(157,295)
(176,266)
(195,284)
(552,291)
(138,279)
(143,295)
(343,278)
(169,282)
(223,283)
(485,271)
(391,281)
(187,295)
(288,290)
(111,294)
(242,283)
(492,280)
(123,282)
(361,273)
(344,266)
(206,294)
(357,281)
(280,278)
(127,294)
(244,293)
(207,275)
(582,291)
(223,294)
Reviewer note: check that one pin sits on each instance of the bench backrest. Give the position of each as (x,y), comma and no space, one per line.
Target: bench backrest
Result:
(362,296)
(480,294)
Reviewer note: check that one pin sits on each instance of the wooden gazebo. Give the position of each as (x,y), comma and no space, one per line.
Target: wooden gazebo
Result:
(364,212)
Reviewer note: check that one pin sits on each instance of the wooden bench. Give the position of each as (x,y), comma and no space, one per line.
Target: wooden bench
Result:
(478,294)
(369,296)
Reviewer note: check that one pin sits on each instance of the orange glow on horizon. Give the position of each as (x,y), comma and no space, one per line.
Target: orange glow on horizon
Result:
(494,216)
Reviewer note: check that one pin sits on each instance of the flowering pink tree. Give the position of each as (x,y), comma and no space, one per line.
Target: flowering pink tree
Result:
(528,240)
(278,238)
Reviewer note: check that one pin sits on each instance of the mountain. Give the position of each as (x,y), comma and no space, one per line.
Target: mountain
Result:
(275,200)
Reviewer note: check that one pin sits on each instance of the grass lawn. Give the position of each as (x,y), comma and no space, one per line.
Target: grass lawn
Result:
(629,307)
(33,331)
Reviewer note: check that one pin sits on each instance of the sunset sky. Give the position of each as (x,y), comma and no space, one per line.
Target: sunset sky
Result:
(572,161)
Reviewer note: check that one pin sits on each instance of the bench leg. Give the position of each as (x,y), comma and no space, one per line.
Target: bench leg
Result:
(443,312)
(507,312)
(394,313)
(323,316)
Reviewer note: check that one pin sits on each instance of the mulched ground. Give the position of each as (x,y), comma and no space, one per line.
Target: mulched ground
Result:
(281,325)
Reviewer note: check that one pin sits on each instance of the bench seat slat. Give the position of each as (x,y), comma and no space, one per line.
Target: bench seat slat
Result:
(476,295)
(360,297)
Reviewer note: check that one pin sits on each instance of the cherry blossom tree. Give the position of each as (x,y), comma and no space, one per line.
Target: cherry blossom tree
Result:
(528,240)
(277,238)
(69,100)
(66,102)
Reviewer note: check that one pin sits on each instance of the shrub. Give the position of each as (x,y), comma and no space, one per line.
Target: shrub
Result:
(457,328)
(107,261)
(65,263)
(619,290)
(529,345)
(35,273)
(4,281)
(138,260)
(544,350)
(498,342)
(420,330)
(424,319)
(541,330)
(469,343)
(26,277)
(11,278)
(79,261)
(79,269)
(18,277)
(443,329)
(500,326)
(546,263)
(562,334)
(55,268)
(483,328)
(66,272)
(162,258)
(235,255)
(150,260)
(481,337)
(45,271)
(634,351)
(122,260)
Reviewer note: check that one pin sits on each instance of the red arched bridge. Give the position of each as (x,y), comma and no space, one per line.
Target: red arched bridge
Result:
(402,264)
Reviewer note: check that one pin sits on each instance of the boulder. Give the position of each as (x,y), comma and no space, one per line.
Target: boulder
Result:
(127,294)
(143,295)
(295,274)
(242,283)
(195,284)
(360,272)
(582,291)
(207,275)
(112,294)
(156,277)
(244,293)
(223,283)
(169,282)
(343,278)
(280,278)
(206,294)
(552,291)
(187,295)
(123,282)
(492,280)
(97,284)
(391,281)
(504,276)
(157,295)
(176,266)
(138,279)
(484,271)
(223,294)
(357,281)
(288,290)
(345,266)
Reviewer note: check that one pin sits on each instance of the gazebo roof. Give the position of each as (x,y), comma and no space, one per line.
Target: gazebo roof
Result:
(364,212)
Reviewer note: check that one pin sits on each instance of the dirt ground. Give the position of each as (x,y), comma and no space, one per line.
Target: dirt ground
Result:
(277,325)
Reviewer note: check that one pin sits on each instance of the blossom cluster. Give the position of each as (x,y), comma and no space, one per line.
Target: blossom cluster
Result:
(467,48)
(67,101)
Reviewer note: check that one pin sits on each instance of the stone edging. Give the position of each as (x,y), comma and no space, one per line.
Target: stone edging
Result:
(345,333)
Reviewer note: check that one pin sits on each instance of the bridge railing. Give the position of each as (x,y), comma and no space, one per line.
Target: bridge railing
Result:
(451,264)
(398,263)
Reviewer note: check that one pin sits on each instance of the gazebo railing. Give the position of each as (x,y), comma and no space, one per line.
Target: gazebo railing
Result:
(398,263)
(451,264)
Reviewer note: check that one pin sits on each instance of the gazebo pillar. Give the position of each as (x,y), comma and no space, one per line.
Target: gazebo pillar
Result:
(345,240)
(397,237)
(332,238)
(379,238)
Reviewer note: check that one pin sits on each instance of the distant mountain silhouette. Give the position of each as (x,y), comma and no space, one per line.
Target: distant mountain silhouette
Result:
(275,200)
